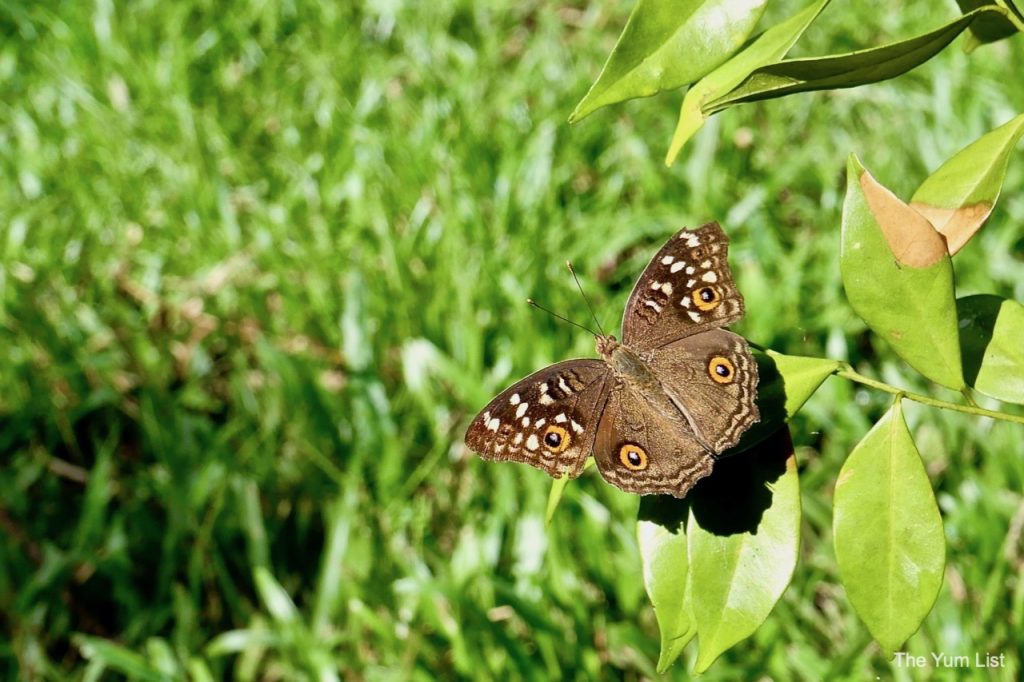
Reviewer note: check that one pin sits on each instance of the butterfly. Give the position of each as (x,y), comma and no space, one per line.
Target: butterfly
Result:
(660,405)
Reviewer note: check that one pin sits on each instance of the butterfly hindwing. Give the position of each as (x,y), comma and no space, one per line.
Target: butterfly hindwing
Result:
(645,450)
(686,288)
(548,420)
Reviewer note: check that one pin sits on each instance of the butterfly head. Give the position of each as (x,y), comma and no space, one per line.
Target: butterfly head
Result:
(606,345)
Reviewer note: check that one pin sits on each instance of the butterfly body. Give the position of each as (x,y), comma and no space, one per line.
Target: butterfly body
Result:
(657,407)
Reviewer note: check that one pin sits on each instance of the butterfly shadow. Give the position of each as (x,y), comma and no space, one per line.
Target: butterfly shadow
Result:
(734,498)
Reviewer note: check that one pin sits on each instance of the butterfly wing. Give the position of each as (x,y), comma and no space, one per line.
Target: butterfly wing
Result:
(548,420)
(685,289)
(712,378)
(646,450)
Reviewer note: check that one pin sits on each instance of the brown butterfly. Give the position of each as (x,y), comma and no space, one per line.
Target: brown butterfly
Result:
(656,408)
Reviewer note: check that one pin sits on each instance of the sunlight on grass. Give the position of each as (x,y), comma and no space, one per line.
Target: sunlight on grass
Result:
(262,263)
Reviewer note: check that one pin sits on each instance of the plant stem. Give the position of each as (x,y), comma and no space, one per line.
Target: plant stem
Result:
(1011,16)
(847,372)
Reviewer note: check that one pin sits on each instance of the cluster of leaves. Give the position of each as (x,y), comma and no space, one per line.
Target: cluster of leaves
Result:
(716,563)
(665,47)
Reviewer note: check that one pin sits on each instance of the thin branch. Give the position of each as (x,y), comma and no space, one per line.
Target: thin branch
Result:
(847,372)
(1011,16)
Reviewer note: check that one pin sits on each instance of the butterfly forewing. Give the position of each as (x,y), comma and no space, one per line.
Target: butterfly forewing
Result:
(686,288)
(547,420)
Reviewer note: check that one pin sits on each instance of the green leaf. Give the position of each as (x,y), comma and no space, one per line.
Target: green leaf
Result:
(770,46)
(888,533)
(958,197)
(118,657)
(557,489)
(274,597)
(744,533)
(801,377)
(668,44)
(899,279)
(845,70)
(991,28)
(554,497)
(661,535)
(785,382)
(991,334)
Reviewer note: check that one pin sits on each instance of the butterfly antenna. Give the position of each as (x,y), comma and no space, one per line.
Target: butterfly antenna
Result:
(563,319)
(568,264)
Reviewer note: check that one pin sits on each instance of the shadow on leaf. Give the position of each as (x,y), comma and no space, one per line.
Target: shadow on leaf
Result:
(734,497)
(977,321)
(666,511)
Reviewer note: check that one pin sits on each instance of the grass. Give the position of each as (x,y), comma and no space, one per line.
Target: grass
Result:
(263,261)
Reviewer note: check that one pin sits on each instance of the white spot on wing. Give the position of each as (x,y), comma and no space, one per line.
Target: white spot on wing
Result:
(710,276)
(676,267)
(545,399)
(541,422)
(526,421)
(576,427)
(655,286)
(667,288)
(685,235)
(695,316)
(685,302)
(564,386)
(561,418)
(691,283)
(706,264)
(532,443)
(514,399)
(521,410)
(693,242)
(651,304)
(667,260)
(518,438)
(689,270)
(493,424)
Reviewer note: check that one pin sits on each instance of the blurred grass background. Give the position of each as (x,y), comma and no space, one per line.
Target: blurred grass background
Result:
(262,262)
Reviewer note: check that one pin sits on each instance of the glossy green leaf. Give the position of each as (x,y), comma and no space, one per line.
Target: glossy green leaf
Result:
(899,279)
(889,541)
(992,338)
(668,44)
(801,377)
(989,29)
(785,382)
(661,535)
(768,47)
(845,70)
(958,197)
(744,533)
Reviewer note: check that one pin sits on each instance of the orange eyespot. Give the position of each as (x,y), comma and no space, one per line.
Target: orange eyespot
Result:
(556,439)
(706,298)
(721,370)
(633,457)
